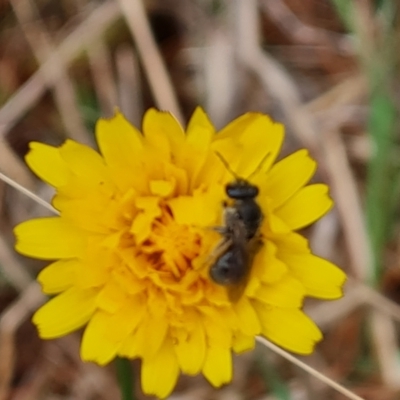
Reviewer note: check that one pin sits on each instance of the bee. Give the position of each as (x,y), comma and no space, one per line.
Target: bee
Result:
(240,242)
(234,253)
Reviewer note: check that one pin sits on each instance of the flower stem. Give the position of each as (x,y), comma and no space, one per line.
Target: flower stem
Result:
(125,378)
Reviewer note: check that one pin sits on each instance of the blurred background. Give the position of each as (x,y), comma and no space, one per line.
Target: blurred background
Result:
(327,69)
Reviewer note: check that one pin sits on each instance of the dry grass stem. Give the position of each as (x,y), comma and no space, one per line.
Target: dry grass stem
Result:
(343,182)
(84,34)
(13,271)
(100,62)
(28,193)
(11,165)
(326,315)
(272,76)
(57,78)
(349,91)
(128,82)
(91,378)
(10,320)
(348,203)
(356,295)
(310,370)
(220,71)
(378,301)
(302,33)
(385,340)
(150,56)
(324,234)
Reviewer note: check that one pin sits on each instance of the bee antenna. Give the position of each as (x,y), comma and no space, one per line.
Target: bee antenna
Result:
(260,164)
(226,165)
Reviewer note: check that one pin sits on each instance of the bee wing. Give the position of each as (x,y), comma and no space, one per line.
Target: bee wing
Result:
(244,255)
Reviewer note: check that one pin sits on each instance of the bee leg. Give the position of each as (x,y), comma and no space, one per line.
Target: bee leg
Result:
(219,249)
(220,229)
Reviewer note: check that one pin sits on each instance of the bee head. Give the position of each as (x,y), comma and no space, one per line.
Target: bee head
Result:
(241,189)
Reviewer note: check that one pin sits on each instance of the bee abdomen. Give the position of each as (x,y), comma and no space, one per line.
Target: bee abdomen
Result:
(231,267)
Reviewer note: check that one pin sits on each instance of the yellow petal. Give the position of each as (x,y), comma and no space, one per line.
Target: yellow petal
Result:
(242,342)
(121,145)
(290,243)
(306,206)
(161,188)
(200,130)
(129,347)
(266,266)
(96,265)
(106,332)
(162,130)
(191,351)
(194,156)
(85,163)
(235,129)
(157,306)
(274,225)
(200,209)
(262,142)
(141,226)
(288,176)
(96,346)
(188,210)
(160,373)
(82,189)
(218,366)
(59,276)
(84,213)
(125,320)
(45,161)
(65,313)
(178,176)
(289,328)
(250,143)
(131,283)
(49,238)
(150,335)
(320,278)
(249,323)
(207,170)
(219,333)
(157,145)
(288,292)
(111,297)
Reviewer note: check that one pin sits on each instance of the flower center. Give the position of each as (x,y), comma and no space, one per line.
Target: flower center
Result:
(171,247)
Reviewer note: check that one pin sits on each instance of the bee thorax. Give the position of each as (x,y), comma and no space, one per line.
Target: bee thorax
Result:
(250,213)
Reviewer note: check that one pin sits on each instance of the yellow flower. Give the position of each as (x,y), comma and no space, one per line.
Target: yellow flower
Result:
(135,236)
